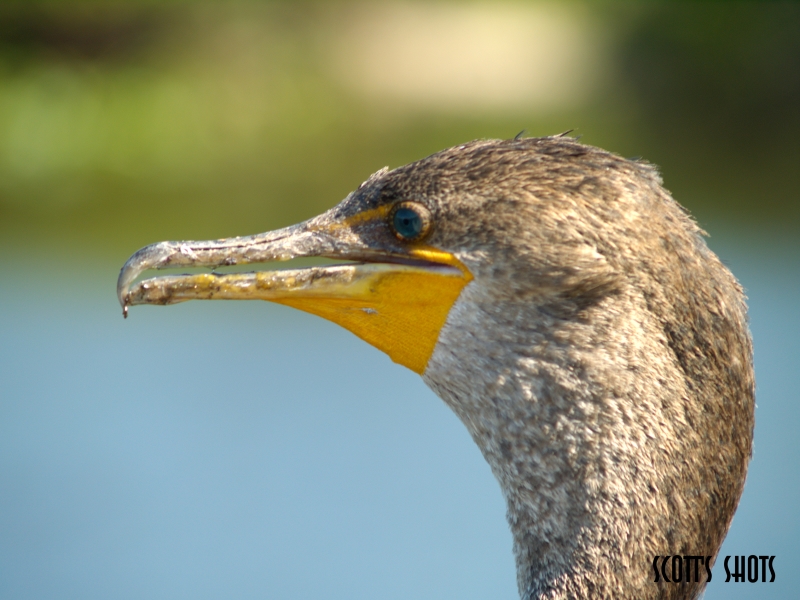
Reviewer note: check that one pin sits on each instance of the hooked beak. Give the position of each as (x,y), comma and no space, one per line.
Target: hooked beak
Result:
(396,299)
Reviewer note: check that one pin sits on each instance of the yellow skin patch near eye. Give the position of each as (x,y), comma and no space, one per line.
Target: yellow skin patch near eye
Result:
(399,309)
(379,213)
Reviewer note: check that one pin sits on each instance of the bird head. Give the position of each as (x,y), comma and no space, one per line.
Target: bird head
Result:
(501,213)
(569,312)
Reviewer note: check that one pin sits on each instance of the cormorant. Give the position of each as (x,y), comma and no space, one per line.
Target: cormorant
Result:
(568,310)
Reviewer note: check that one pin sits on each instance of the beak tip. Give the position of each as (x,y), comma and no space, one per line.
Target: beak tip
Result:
(122,286)
(149,257)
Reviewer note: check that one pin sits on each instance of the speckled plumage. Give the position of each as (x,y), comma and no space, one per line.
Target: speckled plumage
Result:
(600,359)
(598,352)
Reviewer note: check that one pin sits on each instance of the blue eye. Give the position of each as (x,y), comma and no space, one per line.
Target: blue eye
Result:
(410,221)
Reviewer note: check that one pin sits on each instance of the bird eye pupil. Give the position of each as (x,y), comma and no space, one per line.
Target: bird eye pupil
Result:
(410,221)
(407,223)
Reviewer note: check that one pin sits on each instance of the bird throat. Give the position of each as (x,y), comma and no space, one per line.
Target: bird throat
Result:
(400,312)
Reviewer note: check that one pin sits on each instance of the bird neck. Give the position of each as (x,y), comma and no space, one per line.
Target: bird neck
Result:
(566,427)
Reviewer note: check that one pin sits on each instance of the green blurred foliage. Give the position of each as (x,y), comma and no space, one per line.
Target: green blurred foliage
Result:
(125,123)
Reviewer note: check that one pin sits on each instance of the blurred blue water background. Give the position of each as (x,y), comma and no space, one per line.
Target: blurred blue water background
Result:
(244,450)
